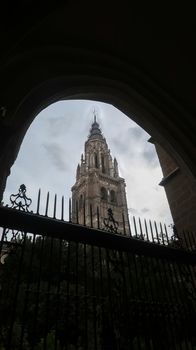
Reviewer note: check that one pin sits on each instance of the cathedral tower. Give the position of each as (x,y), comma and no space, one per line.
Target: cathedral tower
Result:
(98,186)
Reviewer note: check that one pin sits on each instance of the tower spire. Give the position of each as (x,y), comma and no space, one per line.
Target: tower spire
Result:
(94,113)
(95,130)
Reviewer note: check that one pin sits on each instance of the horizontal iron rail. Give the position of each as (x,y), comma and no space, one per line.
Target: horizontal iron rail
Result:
(41,225)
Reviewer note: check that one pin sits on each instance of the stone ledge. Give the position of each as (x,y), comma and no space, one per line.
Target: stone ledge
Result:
(170,176)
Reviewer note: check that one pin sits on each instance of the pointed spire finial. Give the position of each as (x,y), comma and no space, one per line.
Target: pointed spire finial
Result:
(94,113)
(95,129)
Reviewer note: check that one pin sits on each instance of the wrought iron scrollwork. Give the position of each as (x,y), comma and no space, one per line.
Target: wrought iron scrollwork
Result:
(12,239)
(13,236)
(20,201)
(111,225)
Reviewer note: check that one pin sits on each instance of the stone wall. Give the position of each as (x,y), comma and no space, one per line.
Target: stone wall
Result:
(180,189)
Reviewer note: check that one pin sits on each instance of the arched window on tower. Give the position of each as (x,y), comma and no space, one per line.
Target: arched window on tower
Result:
(103,163)
(91,160)
(76,210)
(104,195)
(96,160)
(112,196)
(81,201)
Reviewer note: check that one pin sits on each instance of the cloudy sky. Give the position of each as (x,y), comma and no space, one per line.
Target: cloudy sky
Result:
(52,149)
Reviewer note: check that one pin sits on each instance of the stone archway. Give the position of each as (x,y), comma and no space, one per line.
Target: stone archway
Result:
(37,81)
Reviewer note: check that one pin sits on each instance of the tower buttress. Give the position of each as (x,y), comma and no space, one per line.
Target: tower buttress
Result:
(78,172)
(116,174)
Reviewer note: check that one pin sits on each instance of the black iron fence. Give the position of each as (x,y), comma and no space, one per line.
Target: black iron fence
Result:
(68,286)
(139,228)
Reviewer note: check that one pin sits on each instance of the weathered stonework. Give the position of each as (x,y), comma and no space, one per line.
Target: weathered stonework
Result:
(98,185)
(180,189)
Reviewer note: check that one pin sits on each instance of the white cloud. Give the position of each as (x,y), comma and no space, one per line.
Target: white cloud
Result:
(56,153)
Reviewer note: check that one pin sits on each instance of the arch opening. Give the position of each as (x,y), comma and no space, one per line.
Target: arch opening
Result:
(134,110)
(64,144)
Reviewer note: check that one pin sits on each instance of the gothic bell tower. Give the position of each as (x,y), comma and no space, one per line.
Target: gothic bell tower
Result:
(98,186)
